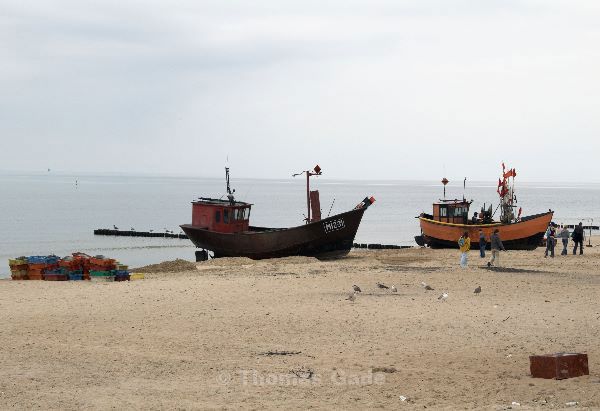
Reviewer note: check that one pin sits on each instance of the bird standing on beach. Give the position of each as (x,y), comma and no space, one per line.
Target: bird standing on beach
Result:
(426,287)
(356,288)
(443,297)
(132,229)
(115,227)
(382,286)
(351,296)
(477,290)
(394,289)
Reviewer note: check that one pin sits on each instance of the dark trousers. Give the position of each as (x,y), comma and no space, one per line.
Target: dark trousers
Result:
(565,244)
(549,247)
(482,245)
(580,242)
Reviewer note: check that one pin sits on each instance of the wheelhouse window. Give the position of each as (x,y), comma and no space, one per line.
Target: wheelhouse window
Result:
(226,216)
(218,216)
(443,211)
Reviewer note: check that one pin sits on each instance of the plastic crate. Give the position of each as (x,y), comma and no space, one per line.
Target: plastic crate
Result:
(19,275)
(55,277)
(17,261)
(95,273)
(75,277)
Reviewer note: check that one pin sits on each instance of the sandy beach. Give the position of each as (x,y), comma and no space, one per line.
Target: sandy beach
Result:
(236,333)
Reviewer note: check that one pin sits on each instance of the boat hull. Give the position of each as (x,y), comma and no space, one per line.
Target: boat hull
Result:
(523,235)
(332,237)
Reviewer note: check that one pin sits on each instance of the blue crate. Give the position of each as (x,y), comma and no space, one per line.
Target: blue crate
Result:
(42,259)
(57,271)
(75,277)
(75,272)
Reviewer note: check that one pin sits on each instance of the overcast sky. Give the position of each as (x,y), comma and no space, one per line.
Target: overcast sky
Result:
(368,89)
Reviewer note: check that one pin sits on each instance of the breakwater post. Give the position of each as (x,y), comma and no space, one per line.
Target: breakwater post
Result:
(122,233)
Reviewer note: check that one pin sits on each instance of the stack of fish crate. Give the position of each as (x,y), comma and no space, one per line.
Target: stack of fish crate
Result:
(18,268)
(56,274)
(102,269)
(79,266)
(73,268)
(37,266)
(122,272)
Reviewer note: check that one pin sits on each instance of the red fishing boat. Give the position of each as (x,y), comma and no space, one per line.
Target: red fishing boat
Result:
(450,219)
(223,227)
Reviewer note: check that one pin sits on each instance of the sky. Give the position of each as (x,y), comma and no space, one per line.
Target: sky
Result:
(377,89)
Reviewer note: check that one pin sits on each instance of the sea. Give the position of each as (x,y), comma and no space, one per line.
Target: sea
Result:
(52,213)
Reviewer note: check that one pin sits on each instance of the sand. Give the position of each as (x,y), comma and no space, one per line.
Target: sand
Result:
(236,333)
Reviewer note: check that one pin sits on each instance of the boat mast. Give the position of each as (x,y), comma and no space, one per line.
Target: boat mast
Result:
(229,192)
(316,172)
(506,190)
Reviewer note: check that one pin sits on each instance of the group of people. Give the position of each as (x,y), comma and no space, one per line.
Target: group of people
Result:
(578,237)
(552,235)
(464,243)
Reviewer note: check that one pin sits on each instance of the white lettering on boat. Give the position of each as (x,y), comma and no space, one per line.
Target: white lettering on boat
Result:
(334,225)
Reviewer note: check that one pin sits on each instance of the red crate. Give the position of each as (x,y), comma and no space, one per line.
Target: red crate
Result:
(56,277)
(559,366)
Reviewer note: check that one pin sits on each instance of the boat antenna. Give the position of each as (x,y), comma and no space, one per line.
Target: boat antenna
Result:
(229,191)
(316,172)
(464,187)
(444,182)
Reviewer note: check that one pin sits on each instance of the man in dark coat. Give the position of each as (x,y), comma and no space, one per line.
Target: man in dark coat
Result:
(578,238)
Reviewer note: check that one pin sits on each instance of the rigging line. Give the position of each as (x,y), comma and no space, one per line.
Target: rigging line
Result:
(331,206)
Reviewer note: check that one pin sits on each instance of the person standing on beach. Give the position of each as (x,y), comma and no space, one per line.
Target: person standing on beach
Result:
(496,245)
(564,235)
(550,236)
(482,243)
(464,242)
(578,238)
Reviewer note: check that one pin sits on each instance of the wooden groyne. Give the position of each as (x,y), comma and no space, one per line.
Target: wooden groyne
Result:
(380,246)
(123,233)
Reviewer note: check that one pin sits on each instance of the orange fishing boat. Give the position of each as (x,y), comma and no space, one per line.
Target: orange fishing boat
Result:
(450,219)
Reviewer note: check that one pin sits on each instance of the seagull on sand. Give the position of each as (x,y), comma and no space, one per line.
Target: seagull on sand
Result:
(443,297)
(426,287)
(115,227)
(382,286)
(477,290)
(356,288)
(394,289)
(351,296)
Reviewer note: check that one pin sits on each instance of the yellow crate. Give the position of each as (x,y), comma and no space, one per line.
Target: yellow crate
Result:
(17,261)
(136,276)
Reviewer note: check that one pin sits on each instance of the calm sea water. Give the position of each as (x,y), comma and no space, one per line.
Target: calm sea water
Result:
(51,214)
